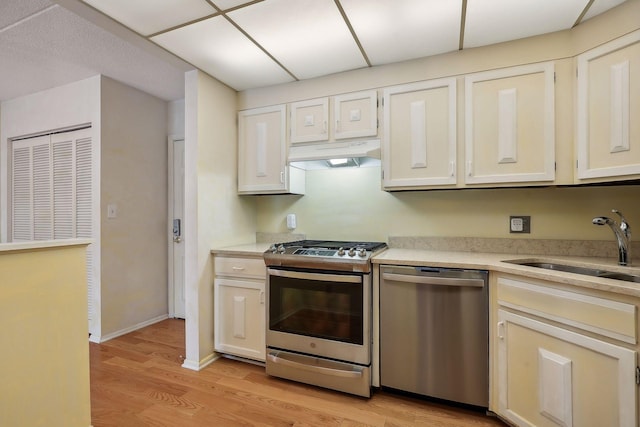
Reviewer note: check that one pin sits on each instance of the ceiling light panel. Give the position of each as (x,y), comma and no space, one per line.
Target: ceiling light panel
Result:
(600,6)
(219,49)
(495,21)
(309,37)
(397,30)
(150,17)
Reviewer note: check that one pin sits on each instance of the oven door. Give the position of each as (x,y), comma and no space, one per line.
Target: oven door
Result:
(326,314)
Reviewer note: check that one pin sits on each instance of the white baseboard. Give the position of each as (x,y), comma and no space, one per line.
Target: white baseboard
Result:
(104,338)
(197,366)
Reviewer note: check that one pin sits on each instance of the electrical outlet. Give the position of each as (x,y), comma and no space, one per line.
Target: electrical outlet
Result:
(519,224)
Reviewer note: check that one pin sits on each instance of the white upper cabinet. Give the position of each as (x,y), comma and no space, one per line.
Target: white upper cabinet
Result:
(355,115)
(262,153)
(510,125)
(608,105)
(419,145)
(309,120)
(352,115)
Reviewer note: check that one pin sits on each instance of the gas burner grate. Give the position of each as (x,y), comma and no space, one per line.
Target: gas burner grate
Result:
(335,244)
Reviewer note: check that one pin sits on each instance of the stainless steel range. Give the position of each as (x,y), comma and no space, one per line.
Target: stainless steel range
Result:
(319,313)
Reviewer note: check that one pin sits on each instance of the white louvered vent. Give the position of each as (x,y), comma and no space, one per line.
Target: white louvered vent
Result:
(84,203)
(63,189)
(42,213)
(21,194)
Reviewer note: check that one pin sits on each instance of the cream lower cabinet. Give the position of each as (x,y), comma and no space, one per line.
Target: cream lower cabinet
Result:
(239,307)
(563,358)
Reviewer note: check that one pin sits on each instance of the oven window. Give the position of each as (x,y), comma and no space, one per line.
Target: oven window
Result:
(314,308)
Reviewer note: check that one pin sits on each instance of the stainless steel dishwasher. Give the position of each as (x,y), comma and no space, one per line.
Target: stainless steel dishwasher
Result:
(434,332)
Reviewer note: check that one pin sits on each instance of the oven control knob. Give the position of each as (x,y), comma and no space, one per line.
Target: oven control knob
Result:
(352,252)
(341,252)
(273,249)
(362,252)
(281,249)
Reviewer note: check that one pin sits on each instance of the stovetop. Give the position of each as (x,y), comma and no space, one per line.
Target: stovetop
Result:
(334,244)
(324,254)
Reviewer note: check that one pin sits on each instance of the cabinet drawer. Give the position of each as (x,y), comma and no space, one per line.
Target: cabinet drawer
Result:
(609,318)
(240,267)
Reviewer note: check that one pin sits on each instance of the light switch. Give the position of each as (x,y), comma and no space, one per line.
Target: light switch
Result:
(112,210)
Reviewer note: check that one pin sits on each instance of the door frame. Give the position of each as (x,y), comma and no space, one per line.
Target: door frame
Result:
(170,216)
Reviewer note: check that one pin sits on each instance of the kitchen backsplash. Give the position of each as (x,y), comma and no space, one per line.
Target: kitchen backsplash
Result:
(278,237)
(587,248)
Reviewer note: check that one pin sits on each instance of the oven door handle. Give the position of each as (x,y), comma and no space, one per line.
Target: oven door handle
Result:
(328,277)
(282,360)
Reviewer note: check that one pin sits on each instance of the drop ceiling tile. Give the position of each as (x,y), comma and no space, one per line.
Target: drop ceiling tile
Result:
(219,49)
(14,11)
(228,4)
(495,21)
(309,37)
(600,6)
(146,17)
(397,30)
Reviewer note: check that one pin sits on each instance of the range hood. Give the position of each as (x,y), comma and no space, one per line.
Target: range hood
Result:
(318,155)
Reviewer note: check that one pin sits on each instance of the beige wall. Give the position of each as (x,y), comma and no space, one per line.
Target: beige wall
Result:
(214,214)
(134,178)
(44,363)
(349,204)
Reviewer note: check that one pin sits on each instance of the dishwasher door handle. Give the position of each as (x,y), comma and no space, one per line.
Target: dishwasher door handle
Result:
(434,280)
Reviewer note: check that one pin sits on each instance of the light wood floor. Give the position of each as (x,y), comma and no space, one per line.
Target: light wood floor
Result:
(137,380)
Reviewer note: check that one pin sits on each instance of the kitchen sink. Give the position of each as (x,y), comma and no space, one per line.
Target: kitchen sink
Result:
(587,271)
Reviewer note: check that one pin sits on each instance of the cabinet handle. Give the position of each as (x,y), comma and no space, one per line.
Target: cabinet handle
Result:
(261,297)
(324,127)
(337,125)
(282,177)
(237,268)
(469,168)
(452,168)
(501,330)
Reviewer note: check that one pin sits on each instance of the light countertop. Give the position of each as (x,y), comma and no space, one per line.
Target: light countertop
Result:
(249,249)
(495,262)
(41,244)
(486,261)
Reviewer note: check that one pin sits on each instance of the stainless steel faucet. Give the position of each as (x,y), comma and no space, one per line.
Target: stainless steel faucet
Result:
(622,233)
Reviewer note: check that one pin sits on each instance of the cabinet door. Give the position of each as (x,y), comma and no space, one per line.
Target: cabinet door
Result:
(262,150)
(239,318)
(549,376)
(420,134)
(309,120)
(356,114)
(608,100)
(510,125)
